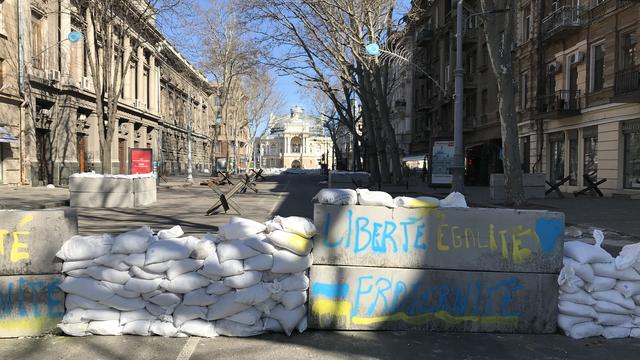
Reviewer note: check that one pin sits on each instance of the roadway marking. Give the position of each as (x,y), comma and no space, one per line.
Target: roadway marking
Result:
(188,348)
(278,202)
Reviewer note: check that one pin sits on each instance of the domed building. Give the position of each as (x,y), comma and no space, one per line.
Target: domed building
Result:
(296,140)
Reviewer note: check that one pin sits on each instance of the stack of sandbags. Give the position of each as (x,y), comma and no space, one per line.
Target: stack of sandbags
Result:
(380,198)
(599,295)
(236,283)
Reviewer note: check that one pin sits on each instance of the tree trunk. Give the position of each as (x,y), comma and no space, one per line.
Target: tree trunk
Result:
(388,131)
(372,161)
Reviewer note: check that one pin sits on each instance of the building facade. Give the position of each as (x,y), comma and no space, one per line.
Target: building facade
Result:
(50,105)
(579,91)
(296,140)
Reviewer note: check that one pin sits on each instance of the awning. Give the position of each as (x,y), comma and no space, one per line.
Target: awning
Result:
(414,158)
(6,137)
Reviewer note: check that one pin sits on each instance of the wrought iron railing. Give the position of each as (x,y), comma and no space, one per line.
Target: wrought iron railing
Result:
(627,80)
(563,17)
(561,101)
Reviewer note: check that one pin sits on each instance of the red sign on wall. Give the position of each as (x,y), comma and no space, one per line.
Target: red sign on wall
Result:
(140,161)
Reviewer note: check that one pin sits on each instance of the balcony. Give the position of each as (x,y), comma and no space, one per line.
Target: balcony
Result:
(562,103)
(627,85)
(565,18)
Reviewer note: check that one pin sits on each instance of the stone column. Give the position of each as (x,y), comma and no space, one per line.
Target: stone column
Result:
(140,75)
(153,84)
(65,46)
(126,92)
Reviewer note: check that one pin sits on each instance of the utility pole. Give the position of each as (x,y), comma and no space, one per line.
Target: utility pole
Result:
(189,130)
(457,168)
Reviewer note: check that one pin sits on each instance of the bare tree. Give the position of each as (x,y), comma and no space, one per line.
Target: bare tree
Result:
(499,35)
(113,30)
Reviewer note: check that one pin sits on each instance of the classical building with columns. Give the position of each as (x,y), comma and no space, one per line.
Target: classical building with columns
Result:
(49,108)
(296,140)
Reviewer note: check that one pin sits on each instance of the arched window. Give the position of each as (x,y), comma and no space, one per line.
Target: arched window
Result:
(296,145)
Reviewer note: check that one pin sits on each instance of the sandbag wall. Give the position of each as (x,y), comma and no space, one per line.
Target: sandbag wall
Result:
(599,295)
(31,302)
(449,269)
(249,279)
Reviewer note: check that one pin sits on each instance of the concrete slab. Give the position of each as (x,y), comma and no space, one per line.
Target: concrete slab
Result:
(102,199)
(100,184)
(364,298)
(454,238)
(144,184)
(31,304)
(144,198)
(29,240)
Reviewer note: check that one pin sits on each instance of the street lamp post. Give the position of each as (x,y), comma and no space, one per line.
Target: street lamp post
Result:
(189,130)
(457,168)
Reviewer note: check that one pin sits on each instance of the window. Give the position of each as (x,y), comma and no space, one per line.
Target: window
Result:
(526,154)
(590,162)
(573,157)
(524,90)
(484,101)
(631,132)
(627,50)
(597,67)
(526,23)
(485,55)
(37,45)
(1,72)
(2,29)
(556,150)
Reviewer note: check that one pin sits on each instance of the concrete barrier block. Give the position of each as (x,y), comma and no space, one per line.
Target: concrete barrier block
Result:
(144,184)
(144,198)
(100,184)
(365,298)
(345,180)
(102,199)
(29,240)
(31,304)
(454,238)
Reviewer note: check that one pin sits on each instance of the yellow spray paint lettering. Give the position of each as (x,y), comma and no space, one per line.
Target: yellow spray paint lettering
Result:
(19,247)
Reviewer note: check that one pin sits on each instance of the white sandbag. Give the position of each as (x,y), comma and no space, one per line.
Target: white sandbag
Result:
(636,299)
(272,225)
(185,283)
(142,286)
(134,241)
(218,288)
(583,271)
(258,243)
(606,319)
(119,289)
(78,273)
(173,233)
(165,250)
(184,313)
(72,301)
(75,265)
(416,203)
(600,284)
(454,200)
(156,310)
(292,299)
(616,332)
(203,249)
(180,267)
(579,310)
(114,261)
(367,197)
(153,293)
(298,281)
(212,267)
(232,328)
(73,316)
(337,196)
(85,287)
(158,268)
(253,295)
(137,327)
(124,304)
(272,325)
(163,328)
(246,317)
(289,319)
(199,327)
(579,297)
(165,300)
(266,306)
(135,260)
(628,289)
(614,297)
(609,270)
(76,329)
(108,274)
(270,276)
(225,307)
(635,332)
(302,326)
(100,315)
(234,250)
(568,281)
(107,328)
(240,228)
(199,297)
(602,306)
(262,262)
(244,280)
(295,243)
(135,315)
(566,322)
(287,262)
(297,225)
(585,330)
(85,247)
(586,253)
(141,274)
(629,255)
